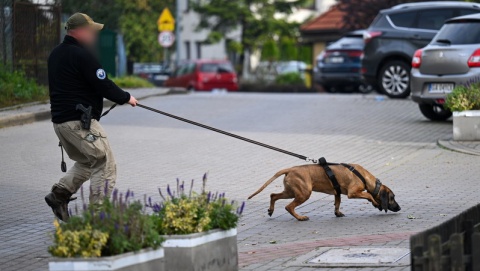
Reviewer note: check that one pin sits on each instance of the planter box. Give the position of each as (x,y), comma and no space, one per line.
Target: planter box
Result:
(143,260)
(466,125)
(215,250)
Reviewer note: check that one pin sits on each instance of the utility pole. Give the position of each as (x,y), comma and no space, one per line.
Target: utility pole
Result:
(178,44)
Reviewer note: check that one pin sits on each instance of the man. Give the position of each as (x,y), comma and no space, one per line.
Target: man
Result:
(78,85)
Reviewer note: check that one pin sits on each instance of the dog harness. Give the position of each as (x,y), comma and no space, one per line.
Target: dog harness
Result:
(323,163)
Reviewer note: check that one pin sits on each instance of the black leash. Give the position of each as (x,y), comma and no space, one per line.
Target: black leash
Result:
(305,158)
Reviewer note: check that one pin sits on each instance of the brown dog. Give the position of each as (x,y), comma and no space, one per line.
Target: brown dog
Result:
(300,181)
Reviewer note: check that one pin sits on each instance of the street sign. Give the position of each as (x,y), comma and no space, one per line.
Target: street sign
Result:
(166,38)
(166,22)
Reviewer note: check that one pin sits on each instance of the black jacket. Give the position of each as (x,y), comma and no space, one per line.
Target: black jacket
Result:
(76,77)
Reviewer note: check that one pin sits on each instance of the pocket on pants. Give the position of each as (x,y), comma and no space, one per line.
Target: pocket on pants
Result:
(97,147)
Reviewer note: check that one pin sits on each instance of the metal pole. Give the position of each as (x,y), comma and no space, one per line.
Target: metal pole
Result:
(178,40)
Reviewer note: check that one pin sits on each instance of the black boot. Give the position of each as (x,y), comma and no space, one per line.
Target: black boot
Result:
(58,200)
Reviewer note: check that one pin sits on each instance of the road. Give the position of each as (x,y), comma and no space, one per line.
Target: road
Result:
(390,138)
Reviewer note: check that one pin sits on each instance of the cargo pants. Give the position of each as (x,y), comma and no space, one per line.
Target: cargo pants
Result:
(94,160)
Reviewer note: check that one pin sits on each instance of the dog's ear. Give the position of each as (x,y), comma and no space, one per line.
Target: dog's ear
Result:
(384,199)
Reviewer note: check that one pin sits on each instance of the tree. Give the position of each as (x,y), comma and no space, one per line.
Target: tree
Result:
(359,14)
(270,51)
(135,19)
(257,19)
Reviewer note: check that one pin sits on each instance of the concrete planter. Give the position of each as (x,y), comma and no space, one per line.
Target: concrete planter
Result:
(143,260)
(466,125)
(215,250)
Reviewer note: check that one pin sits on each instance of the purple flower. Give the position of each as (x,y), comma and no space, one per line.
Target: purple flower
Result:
(116,226)
(170,192)
(105,189)
(160,192)
(150,201)
(102,215)
(156,208)
(209,196)
(127,195)
(241,208)
(125,228)
(115,196)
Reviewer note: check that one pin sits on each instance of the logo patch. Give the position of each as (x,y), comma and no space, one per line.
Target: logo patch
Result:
(101,74)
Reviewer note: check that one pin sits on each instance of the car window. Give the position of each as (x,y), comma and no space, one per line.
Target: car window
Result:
(434,19)
(454,33)
(462,12)
(190,68)
(216,67)
(403,19)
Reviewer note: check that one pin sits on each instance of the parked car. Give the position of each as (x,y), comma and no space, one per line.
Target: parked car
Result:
(395,35)
(451,59)
(204,75)
(156,73)
(267,71)
(338,66)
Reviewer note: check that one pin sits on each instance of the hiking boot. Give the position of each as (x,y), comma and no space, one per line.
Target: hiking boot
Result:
(58,200)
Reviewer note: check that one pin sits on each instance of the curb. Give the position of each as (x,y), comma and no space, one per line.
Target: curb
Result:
(26,118)
(457,146)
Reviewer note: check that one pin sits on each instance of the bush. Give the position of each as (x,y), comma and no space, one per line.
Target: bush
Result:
(117,226)
(192,213)
(291,78)
(131,82)
(16,88)
(464,97)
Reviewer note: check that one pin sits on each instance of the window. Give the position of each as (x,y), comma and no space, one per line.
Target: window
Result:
(404,19)
(462,12)
(199,49)
(217,67)
(187,50)
(454,33)
(434,19)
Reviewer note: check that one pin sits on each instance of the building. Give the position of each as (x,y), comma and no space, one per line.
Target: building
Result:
(326,28)
(192,39)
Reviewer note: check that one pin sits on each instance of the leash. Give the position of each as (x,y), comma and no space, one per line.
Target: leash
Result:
(302,157)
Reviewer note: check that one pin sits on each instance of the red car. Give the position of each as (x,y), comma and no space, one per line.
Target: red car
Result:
(204,75)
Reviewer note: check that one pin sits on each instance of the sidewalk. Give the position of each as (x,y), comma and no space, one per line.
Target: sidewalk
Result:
(31,112)
(467,147)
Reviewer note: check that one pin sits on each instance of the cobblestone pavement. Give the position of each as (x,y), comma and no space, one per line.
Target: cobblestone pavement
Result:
(390,138)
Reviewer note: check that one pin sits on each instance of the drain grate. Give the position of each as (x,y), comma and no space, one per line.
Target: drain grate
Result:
(354,257)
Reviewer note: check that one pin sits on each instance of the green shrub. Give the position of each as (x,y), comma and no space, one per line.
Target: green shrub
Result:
(119,224)
(464,97)
(131,82)
(16,88)
(291,78)
(187,213)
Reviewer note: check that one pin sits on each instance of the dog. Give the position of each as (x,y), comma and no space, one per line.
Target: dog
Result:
(300,181)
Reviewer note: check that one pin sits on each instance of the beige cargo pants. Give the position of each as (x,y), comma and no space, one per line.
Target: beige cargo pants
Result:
(93,160)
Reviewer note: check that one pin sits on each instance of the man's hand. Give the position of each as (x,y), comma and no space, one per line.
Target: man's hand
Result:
(133,102)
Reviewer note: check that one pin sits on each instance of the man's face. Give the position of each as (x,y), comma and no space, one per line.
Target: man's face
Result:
(87,36)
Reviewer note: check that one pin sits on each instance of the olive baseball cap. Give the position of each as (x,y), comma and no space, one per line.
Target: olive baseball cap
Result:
(79,20)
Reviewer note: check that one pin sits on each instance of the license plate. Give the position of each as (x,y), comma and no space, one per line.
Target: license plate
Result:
(335,59)
(160,77)
(440,88)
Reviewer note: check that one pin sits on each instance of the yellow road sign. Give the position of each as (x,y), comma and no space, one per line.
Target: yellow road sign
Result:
(166,22)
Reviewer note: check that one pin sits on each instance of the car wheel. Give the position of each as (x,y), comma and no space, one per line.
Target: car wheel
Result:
(435,112)
(394,79)
(365,88)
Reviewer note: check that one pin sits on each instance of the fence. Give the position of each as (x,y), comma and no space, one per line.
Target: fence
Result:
(5,32)
(34,31)
(453,245)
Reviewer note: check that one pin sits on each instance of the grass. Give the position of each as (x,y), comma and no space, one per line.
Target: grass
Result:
(16,88)
(132,82)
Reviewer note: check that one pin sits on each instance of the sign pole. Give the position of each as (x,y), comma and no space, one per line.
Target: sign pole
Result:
(178,44)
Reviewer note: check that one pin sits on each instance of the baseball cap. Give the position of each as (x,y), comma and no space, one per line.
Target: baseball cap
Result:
(78,20)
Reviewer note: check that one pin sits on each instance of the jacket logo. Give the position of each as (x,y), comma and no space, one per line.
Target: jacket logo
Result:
(101,74)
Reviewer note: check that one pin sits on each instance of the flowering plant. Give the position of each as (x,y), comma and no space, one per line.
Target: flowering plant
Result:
(185,213)
(117,226)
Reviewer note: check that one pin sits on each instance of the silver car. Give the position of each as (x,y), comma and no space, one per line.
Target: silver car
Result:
(452,58)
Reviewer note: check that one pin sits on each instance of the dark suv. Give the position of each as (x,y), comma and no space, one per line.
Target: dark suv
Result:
(395,35)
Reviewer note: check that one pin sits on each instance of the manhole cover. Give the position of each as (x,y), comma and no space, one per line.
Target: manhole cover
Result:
(354,256)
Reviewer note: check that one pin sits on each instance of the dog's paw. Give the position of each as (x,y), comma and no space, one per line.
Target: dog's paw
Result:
(270,212)
(303,218)
(339,214)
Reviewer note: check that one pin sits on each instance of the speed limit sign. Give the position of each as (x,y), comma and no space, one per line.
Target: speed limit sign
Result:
(166,38)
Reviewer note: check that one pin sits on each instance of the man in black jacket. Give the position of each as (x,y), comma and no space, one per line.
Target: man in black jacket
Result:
(78,85)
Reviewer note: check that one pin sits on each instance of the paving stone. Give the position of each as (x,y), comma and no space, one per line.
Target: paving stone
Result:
(390,138)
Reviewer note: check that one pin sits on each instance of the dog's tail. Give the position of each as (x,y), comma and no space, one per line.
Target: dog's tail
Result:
(278,174)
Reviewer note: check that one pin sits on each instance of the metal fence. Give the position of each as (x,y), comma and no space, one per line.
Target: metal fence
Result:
(36,30)
(452,245)
(6,32)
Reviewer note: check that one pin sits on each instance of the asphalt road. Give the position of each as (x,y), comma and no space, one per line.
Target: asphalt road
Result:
(390,138)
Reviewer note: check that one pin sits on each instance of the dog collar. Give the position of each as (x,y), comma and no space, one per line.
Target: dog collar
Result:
(378,184)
